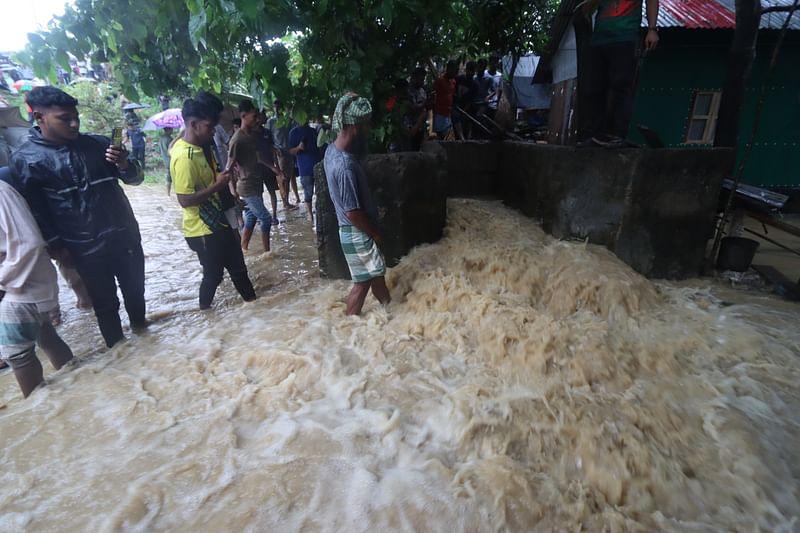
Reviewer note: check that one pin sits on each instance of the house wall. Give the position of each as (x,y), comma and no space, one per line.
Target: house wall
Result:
(691,60)
(653,208)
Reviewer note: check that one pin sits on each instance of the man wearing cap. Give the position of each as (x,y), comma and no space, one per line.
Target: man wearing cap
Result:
(356,211)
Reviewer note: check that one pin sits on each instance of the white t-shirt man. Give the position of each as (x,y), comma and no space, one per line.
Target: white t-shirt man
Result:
(26,273)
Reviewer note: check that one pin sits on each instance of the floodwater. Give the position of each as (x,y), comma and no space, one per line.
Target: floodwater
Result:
(516,383)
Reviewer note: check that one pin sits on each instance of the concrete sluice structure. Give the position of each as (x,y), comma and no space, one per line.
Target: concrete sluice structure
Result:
(653,208)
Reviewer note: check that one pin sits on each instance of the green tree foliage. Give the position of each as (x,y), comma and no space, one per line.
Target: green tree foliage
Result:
(99,106)
(517,26)
(513,27)
(305,52)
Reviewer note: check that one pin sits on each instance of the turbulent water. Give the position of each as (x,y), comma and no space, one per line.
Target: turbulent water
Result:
(515,383)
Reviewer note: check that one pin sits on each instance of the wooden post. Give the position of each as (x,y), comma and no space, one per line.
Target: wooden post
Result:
(740,61)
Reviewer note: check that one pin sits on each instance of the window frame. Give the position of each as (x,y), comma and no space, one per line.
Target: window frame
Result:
(711,118)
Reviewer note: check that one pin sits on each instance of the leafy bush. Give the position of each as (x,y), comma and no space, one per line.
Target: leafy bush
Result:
(98,104)
(16,100)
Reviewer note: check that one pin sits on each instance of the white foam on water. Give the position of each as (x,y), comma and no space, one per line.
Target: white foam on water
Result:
(515,383)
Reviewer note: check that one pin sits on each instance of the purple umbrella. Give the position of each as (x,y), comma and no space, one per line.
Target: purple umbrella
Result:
(171,118)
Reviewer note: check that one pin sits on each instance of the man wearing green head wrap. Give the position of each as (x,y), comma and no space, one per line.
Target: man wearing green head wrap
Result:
(356,211)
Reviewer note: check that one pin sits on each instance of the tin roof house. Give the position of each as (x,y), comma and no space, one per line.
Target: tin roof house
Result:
(679,84)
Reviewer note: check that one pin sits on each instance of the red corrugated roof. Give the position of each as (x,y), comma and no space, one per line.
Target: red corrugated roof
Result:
(695,14)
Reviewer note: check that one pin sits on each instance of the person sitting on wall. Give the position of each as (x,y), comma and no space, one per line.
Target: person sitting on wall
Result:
(612,66)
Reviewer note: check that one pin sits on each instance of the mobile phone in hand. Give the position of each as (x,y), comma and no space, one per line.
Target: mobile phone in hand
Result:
(116,137)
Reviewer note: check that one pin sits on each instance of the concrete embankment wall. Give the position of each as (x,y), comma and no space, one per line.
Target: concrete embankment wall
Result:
(653,208)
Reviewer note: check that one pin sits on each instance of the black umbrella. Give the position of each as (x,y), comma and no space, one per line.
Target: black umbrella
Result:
(132,106)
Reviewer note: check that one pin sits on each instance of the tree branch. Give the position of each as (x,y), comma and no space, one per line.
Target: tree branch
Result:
(780,9)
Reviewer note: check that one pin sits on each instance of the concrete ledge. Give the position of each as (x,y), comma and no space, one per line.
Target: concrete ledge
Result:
(410,190)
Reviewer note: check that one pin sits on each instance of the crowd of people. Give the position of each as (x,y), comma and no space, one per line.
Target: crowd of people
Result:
(60,200)
(463,103)
(60,197)
(78,216)
(86,69)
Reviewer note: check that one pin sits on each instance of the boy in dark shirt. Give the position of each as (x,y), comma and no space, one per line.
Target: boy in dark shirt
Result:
(303,145)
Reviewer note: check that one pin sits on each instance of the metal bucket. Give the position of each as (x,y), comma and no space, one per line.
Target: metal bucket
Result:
(736,253)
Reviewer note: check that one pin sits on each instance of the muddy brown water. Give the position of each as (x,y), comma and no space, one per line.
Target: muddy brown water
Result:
(516,383)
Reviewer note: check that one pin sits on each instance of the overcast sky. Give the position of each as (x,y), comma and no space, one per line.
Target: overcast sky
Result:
(18,17)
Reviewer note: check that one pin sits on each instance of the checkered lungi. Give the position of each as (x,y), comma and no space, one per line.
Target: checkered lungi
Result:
(363,257)
(20,326)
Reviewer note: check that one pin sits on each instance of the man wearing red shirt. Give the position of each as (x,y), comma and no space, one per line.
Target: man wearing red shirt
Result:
(443,107)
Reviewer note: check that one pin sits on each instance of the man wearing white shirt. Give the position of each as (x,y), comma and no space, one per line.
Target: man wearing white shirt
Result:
(29,282)
(496,85)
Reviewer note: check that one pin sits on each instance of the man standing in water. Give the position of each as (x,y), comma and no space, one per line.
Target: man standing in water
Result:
(266,153)
(280,126)
(30,293)
(70,182)
(244,154)
(356,211)
(303,145)
(197,185)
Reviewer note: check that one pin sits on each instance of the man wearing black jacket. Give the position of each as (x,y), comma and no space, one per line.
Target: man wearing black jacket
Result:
(70,181)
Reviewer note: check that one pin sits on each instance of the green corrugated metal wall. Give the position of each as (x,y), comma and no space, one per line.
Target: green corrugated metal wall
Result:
(693,60)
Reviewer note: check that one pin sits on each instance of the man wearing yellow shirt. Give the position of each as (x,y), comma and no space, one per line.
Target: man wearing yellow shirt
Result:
(197,183)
